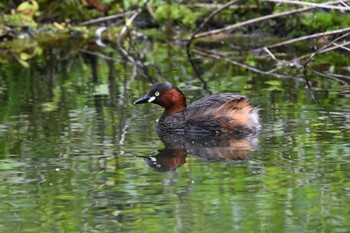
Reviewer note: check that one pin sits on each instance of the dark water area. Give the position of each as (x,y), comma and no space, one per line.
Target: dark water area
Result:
(77,156)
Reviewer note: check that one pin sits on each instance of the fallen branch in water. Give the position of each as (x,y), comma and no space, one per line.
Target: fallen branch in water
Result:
(316,35)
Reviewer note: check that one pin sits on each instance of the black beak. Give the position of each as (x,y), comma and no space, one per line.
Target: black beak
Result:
(142,100)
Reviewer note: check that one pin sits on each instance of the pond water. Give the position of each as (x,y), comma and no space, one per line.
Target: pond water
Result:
(78,156)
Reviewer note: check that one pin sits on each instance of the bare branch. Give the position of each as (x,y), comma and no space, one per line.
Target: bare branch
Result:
(211,16)
(307,37)
(236,63)
(107,18)
(218,5)
(188,46)
(326,48)
(256,20)
(310,4)
(343,47)
(122,50)
(344,4)
(270,54)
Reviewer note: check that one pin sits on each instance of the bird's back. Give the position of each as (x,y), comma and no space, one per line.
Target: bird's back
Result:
(214,113)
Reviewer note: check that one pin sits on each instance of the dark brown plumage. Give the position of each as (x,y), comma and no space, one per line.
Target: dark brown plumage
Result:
(220,113)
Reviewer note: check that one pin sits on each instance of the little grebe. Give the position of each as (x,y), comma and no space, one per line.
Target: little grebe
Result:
(220,113)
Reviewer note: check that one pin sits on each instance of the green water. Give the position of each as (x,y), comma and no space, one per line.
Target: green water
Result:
(75,154)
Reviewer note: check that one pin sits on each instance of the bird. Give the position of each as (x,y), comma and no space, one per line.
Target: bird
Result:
(215,114)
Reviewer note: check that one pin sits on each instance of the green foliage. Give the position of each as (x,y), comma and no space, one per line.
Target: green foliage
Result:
(177,13)
(23,15)
(322,21)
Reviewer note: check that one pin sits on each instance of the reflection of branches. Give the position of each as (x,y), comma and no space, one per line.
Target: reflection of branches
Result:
(336,77)
(100,55)
(308,84)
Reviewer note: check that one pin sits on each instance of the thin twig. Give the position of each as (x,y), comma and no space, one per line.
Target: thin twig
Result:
(307,37)
(256,20)
(328,75)
(344,4)
(218,5)
(122,50)
(211,16)
(326,48)
(107,18)
(236,63)
(270,54)
(188,46)
(308,84)
(310,4)
(343,47)
(338,75)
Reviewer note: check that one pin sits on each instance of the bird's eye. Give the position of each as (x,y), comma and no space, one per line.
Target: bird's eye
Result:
(156,93)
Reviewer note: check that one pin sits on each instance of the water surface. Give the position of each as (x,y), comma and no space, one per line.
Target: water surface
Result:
(77,156)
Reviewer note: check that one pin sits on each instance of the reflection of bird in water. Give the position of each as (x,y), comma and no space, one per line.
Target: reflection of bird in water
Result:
(167,159)
(210,148)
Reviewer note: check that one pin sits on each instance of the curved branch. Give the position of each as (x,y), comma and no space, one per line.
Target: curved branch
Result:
(188,46)
(326,48)
(259,19)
